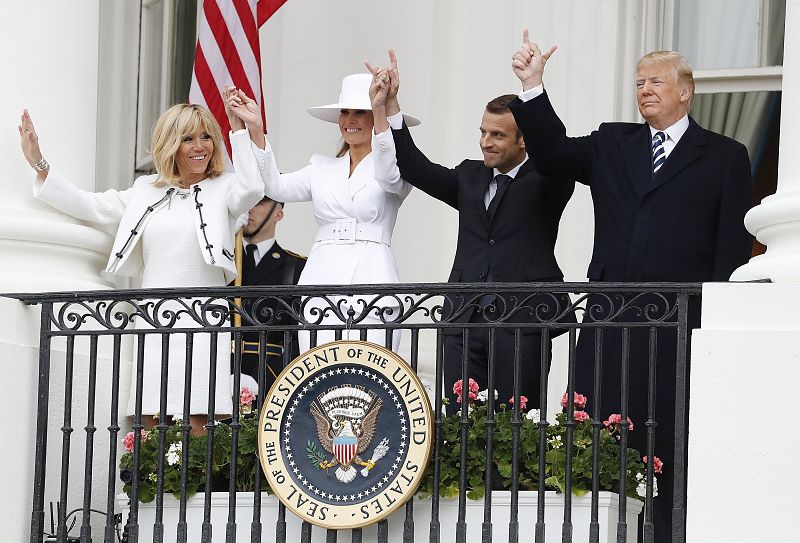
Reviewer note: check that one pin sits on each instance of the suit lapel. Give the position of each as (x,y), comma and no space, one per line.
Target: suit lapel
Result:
(358,180)
(689,148)
(637,157)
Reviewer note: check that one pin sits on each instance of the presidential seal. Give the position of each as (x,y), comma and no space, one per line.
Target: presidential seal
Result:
(345,434)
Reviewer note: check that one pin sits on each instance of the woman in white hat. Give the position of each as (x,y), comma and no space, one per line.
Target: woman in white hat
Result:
(355,213)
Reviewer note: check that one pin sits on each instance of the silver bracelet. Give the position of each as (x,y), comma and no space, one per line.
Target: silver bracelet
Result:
(42,165)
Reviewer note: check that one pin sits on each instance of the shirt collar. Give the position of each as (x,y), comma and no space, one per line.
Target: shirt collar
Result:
(674,132)
(264,245)
(512,173)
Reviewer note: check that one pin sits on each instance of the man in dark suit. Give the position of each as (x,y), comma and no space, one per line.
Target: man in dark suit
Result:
(266,263)
(508,218)
(669,203)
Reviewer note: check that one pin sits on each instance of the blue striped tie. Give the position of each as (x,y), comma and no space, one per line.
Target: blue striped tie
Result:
(659,156)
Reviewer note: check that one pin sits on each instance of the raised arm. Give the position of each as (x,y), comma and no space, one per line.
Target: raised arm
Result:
(247,187)
(243,112)
(551,150)
(97,207)
(282,187)
(402,153)
(386,173)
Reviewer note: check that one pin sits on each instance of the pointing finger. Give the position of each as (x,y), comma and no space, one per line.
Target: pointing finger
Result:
(525,36)
(392,59)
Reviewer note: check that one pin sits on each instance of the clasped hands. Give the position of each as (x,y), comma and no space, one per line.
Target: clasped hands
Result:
(242,111)
(384,86)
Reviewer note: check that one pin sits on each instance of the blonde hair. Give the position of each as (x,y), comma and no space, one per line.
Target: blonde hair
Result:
(175,124)
(683,69)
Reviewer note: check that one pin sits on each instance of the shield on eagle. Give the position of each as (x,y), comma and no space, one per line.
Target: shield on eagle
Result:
(345,448)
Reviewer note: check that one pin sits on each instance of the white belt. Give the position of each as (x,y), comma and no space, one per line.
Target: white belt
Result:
(350,230)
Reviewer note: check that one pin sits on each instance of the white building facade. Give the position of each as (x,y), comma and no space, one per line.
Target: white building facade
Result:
(93,73)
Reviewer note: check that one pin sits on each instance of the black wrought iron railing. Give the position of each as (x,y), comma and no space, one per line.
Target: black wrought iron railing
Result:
(634,336)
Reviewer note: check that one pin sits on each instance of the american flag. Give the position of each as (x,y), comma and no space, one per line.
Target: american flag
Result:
(228,52)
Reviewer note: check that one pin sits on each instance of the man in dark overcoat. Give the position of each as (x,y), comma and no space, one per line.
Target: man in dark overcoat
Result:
(669,202)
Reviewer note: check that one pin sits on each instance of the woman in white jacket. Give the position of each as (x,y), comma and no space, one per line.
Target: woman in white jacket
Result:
(355,213)
(174,229)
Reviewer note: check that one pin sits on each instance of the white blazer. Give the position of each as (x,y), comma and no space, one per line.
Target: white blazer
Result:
(220,201)
(355,217)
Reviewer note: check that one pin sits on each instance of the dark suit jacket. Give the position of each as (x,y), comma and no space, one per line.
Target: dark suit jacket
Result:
(277,267)
(685,223)
(517,243)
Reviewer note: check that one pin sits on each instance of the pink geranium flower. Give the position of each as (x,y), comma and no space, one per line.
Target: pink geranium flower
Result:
(658,465)
(127,441)
(614,422)
(580,416)
(578,400)
(246,397)
(458,388)
(523,402)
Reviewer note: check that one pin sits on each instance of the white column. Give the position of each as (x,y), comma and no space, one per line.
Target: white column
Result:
(742,439)
(776,221)
(50,67)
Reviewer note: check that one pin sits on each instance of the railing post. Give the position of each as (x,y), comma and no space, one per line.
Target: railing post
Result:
(43,399)
(681,419)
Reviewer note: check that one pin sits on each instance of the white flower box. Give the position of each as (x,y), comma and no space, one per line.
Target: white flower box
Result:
(448,516)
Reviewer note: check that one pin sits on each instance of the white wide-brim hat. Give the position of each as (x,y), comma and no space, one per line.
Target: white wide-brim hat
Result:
(355,95)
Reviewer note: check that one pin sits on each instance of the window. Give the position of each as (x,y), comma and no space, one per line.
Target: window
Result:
(718,34)
(166,56)
(736,48)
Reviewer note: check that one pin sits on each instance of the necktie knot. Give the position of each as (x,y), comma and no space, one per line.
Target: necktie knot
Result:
(502,180)
(251,248)
(659,155)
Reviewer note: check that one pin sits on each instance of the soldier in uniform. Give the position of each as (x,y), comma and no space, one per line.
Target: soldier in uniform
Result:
(266,263)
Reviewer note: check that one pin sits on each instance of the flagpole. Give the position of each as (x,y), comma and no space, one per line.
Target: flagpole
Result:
(237,256)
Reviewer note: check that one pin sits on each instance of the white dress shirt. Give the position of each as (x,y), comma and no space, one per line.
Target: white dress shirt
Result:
(674,134)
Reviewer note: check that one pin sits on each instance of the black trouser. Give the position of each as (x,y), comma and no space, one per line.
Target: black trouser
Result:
(478,355)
